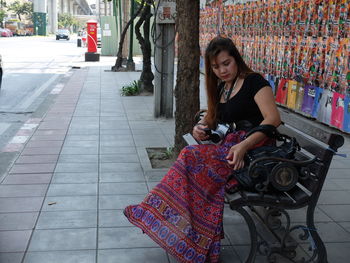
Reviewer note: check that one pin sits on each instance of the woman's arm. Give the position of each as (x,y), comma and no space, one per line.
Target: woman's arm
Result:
(266,102)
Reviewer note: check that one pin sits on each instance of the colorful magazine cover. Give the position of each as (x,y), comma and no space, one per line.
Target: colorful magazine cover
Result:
(316,106)
(325,108)
(337,117)
(308,100)
(346,122)
(300,96)
(292,94)
(282,91)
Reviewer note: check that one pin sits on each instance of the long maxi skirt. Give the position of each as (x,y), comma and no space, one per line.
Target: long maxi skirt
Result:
(184,212)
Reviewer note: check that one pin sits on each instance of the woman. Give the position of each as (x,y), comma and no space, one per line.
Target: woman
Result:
(184,212)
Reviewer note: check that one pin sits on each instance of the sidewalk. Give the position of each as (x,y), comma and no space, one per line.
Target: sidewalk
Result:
(62,199)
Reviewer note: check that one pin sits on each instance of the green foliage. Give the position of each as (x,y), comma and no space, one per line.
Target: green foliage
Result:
(131,89)
(66,20)
(169,152)
(2,16)
(19,8)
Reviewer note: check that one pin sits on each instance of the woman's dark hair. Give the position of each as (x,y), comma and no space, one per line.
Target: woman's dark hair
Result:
(215,46)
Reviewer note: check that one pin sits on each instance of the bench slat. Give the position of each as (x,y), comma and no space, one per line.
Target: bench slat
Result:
(310,128)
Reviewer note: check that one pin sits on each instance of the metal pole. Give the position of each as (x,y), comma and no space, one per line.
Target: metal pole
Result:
(130,65)
(115,13)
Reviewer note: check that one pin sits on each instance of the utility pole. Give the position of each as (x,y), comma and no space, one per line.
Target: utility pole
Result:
(164,58)
(130,65)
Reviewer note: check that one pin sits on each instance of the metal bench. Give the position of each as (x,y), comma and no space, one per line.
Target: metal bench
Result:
(272,234)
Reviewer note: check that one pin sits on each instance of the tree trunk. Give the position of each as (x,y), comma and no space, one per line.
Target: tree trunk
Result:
(187,81)
(147,74)
(118,62)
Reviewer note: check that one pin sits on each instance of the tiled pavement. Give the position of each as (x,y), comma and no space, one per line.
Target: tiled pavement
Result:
(85,160)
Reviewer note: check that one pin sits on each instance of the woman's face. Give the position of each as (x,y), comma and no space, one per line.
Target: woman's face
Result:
(224,66)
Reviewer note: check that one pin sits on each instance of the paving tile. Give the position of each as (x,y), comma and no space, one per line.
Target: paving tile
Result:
(119,158)
(124,237)
(155,175)
(83,131)
(123,188)
(29,190)
(61,203)
(342,183)
(341,173)
(121,143)
(75,158)
(74,178)
(345,225)
(238,234)
(14,241)
(337,212)
(52,132)
(116,137)
(27,179)
(79,150)
(115,132)
(334,198)
(108,125)
(153,140)
(56,137)
(77,256)
(81,144)
(122,177)
(45,143)
(67,219)
(72,189)
(144,255)
(33,168)
(11,257)
(338,252)
(91,137)
(40,150)
(63,239)
(76,167)
(112,218)
(20,204)
(119,201)
(37,159)
(120,167)
(17,221)
(116,150)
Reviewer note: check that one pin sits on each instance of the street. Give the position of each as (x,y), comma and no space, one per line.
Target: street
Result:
(33,68)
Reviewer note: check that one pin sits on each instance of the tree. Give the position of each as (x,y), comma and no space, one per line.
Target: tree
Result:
(118,63)
(66,20)
(2,16)
(147,74)
(187,81)
(19,8)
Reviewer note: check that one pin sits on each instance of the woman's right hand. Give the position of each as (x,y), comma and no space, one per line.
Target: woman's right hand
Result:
(199,133)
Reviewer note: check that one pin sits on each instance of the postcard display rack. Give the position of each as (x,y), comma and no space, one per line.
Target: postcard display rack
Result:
(302,47)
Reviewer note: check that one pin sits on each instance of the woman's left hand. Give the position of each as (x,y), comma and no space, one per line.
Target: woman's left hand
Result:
(235,156)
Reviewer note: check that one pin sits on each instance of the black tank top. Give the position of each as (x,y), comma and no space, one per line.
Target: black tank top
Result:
(242,106)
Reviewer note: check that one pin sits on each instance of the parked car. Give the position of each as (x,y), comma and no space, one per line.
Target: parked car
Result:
(4,32)
(62,34)
(0,70)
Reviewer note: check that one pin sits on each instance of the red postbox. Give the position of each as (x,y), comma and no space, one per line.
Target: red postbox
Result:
(91,54)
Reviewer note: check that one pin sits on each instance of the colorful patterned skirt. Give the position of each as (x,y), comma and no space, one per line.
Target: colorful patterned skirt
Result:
(184,212)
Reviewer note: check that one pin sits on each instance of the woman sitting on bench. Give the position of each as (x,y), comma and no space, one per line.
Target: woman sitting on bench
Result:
(184,212)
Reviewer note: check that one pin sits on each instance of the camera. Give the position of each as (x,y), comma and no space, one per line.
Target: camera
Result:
(218,134)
